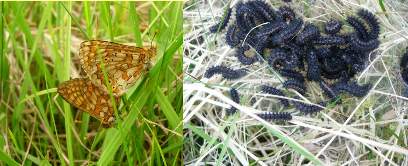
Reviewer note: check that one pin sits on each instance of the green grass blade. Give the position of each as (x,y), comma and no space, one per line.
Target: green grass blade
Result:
(65,10)
(134,20)
(106,18)
(381,3)
(6,159)
(88,19)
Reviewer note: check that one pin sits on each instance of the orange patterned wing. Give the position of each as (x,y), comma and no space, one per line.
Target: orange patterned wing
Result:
(123,64)
(85,96)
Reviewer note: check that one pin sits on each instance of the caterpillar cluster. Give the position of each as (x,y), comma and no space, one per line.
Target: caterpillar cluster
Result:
(300,51)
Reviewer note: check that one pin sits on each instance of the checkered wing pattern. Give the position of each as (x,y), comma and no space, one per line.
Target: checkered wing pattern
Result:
(81,93)
(123,64)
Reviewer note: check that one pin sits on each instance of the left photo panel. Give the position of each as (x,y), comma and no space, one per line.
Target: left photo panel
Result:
(87,83)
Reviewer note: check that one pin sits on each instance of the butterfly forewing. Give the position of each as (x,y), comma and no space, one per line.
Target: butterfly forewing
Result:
(123,64)
(85,96)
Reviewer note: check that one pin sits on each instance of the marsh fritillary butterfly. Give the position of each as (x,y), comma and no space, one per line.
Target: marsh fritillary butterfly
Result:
(123,66)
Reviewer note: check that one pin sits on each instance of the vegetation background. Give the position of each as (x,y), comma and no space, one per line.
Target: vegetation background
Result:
(39,47)
(371,130)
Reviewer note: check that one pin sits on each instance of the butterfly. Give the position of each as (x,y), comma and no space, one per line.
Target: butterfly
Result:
(123,64)
(84,95)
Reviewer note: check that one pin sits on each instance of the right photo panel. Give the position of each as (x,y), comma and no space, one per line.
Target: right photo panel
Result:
(301,82)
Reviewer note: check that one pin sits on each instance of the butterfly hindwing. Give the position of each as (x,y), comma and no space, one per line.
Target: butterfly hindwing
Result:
(84,95)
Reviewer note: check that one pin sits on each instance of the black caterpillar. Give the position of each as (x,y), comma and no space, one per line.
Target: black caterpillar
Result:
(307,108)
(310,32)
(288,33)
(358,26)
(404,66)
(327,90)
(329,40)
(235,97)
(352,88)
(243,58)
(372,21)
(273,91)
(270,28)
(292,74)
(404,71)
(295,85)
(275,116)
(333,27)
(226,72)
(313,69)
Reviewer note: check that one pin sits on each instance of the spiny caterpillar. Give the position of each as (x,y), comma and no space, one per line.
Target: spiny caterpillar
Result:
(307,108)
(246,60)
(295,85)
(352,88)
(273,91)
(404,66)
(226,72)
(404,71)
(275,116)
(292,74)
(310,32)
(333,27)
(235,97)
